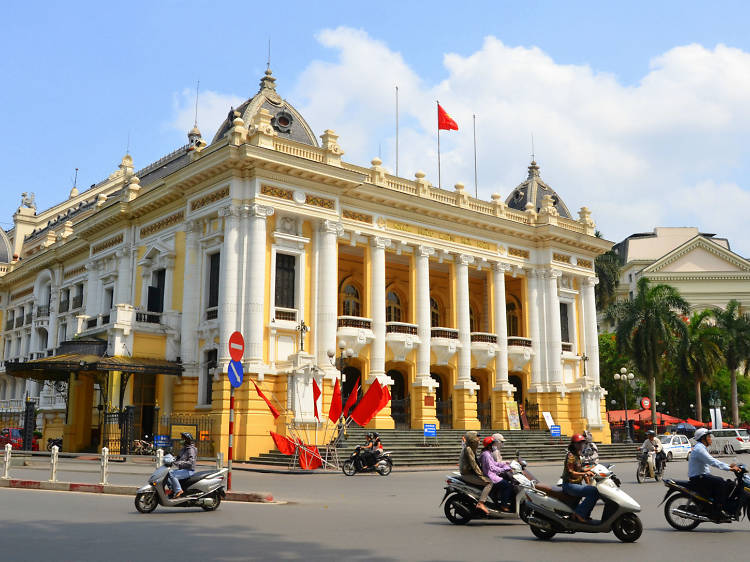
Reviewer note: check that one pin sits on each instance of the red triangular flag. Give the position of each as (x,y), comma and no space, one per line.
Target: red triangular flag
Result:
(285,445)
(335,411)
(309,457)
(271,407)
(445,121)
(316,395)
(352,398)
(369,405)
(385,399)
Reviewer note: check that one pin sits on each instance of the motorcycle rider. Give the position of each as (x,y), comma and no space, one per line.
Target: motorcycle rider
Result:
(184,465)
(494,471)
(653,444)
(590,452)
(470,471)
(366,453)
(498,444)
(377,447)
(699,470)
(574,476)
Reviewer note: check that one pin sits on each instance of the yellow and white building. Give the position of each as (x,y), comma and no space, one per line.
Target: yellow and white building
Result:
(464,307)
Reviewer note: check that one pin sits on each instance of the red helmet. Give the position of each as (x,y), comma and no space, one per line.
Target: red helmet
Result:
(577,438)
(487,441)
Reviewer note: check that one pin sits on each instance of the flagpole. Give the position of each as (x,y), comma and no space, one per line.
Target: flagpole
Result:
(396,131)
(476,188)
(440,183)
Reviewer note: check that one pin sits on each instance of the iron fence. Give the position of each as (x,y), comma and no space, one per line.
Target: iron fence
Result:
(118,431)
(484,412)
(532,415)
(200,426)
(444,412)
(401,413)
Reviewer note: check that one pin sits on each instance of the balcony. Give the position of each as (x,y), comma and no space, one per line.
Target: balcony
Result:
(212,313)
(148,317)
(401,338)
(42,311)
(77,302)
(28,318)
(444,342)
(519,352)
(12,405)
(64,306)
(19,321)
(567,347)
(9,324)
(483,348)
(355,332)
(281,314)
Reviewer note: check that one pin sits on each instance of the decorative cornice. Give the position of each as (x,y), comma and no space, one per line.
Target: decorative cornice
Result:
(74,272)
(355,216)
(689,246)
(586,264)
(561,257)
(22,293)
(209,198)
(114,241)
(519,253)
(318,201)
(280,192)
(166,222)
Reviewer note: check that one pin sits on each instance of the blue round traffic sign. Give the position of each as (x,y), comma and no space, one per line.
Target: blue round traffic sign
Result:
(235,373)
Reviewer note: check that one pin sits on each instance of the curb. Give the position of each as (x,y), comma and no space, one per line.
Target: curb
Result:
(251,497)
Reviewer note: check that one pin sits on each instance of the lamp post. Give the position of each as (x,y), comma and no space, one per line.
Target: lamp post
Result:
(625,377)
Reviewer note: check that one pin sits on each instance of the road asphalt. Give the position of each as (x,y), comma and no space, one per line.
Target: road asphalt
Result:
(365,517)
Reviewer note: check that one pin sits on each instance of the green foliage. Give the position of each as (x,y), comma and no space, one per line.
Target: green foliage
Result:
(735,329)
(607,268)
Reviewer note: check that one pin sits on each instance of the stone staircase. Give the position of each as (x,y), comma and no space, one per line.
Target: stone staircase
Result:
(408,448)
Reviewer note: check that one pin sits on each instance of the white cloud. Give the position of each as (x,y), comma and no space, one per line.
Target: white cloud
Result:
(213,108)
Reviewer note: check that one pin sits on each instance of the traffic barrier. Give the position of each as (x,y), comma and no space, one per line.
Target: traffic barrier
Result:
(6,456)
(159,457)
(53,463)
(105,465)
(219,460)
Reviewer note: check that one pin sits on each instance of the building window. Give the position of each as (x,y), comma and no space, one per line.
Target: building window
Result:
(472,320)
(212,302)
(434,312)
(64,300)
(564,324)
(156,291)
(109,296)
(286,267)
(392,307)
(512,313)
(208,378)
(350,301)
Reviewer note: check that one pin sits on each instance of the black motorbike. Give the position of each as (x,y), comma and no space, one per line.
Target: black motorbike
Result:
(648,462)
(354,464)
(686,507)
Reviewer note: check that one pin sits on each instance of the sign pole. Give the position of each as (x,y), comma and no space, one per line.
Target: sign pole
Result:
(231,437)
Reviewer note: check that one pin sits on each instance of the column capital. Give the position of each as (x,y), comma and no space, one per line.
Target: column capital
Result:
(192,226)
(464,259)
(590,281)
(123,252)
(258,211)
(501,266)
(229,211)
(332,227)
(549,273)
(425,251)
(380,242)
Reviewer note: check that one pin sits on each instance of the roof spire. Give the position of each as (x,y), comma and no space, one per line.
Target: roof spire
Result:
(533,170)
(268,82)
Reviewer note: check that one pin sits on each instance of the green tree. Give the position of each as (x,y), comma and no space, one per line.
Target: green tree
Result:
(649,329)
(607,266)
(700,355)
(735,327)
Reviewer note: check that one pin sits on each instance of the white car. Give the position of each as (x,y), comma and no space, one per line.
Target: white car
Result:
(730,441)
(675,446)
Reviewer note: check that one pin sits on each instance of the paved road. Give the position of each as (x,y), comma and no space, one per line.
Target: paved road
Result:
(332,517)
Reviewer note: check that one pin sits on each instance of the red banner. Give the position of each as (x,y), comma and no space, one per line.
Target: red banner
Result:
(445,121)
(271,407)
(369,405)
(352,398)
(334,413)
(285,445)
(316,395)
(309,457)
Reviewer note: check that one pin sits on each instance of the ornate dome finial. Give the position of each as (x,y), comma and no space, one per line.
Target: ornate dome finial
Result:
(533,170)
(268,82)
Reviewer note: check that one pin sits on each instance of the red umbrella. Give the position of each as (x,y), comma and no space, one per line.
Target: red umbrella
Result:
(695,423)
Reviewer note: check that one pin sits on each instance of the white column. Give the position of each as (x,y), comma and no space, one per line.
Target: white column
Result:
(327,301)
(554,337)
(255,282)
(424,327)
(501,325)
(228,306)
(532,290)
(590,332)
(377,295)
(90,299)
(124,288)
(464,321)
(191,298)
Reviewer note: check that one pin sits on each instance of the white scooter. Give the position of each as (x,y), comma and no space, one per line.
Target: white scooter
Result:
(551,509)
(462,497)
(202,489)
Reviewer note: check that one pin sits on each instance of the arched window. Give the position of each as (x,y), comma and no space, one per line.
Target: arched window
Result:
(434,312)
(513,313)
(350,300)
(392,307)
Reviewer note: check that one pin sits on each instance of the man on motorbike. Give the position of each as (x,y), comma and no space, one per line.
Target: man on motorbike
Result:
(699,470)
(494,471)
(574,476)
(652,444)
(184,465)
(470,471)
(367,453)
(497,446)
(590,454)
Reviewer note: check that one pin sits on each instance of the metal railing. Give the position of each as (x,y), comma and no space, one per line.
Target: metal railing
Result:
(212,313)
(148,317)
(285,314)
(64,305)
(448,333)
(400,328)
(105,318)
(42,311)
(77,302)
(19,321)
(519,342)
(567,346)
(354,322)
(28,319)
(483,337)
(9,324)
(91,323)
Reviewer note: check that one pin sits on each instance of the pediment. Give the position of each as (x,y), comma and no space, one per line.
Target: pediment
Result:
(699,255)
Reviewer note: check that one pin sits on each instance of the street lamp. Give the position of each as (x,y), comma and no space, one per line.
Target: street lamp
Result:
(625,377)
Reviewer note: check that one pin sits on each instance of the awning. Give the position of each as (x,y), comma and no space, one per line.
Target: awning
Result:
(59,367)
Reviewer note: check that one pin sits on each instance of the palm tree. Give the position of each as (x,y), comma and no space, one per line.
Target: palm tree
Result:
(649,328)
(607,266)
(700,354)
(735,327)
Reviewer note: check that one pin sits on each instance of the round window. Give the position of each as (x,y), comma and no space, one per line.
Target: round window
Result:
(282,121)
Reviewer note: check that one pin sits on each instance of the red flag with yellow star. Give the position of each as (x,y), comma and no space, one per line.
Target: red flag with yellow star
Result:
(445,121)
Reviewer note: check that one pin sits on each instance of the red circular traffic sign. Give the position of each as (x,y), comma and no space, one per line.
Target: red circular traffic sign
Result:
(236,346)
(645,403)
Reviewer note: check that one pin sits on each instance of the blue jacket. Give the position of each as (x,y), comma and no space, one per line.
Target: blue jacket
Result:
(701,461)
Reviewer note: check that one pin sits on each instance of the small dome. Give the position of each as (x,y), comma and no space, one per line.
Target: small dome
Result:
(533,191)
(195,131)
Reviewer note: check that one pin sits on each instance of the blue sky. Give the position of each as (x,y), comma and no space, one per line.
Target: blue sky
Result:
(637,108)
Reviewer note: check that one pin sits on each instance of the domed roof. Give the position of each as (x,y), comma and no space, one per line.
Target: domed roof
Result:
(5,252)
(286,120)
(532,191)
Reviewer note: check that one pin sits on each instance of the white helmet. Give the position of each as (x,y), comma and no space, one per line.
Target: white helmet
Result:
(701,433)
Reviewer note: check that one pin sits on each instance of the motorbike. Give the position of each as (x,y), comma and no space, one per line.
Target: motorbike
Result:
(550,510)
(143,447)
(203,489)
(461,497)
(686,508)
(648,467)
(52,442)
(383,463)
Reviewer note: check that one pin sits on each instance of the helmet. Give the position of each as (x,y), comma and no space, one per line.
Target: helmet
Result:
(487,441)
(187,436)
(577,438)
(498,437)
(701,433)
(375,434)
(650,432)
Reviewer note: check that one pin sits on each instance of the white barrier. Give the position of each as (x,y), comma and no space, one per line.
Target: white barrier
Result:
(105,465)
(159,457)
(53,463)
(6,457)
(219,461)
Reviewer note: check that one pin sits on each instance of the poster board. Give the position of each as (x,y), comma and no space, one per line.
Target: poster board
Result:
(514,421)
(548,419)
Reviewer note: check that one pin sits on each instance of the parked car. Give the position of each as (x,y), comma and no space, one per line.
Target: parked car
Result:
(731,440)
(14,436)
(675,446)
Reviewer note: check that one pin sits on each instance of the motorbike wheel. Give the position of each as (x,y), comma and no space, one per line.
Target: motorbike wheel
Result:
(686,503)
(640,474)
(659,473)
(542,534)
(628,528)
(216,503)
(458,512)
(348,468)
(50,444)
(669,456)
(146,502)
(385,470)
(524,511)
